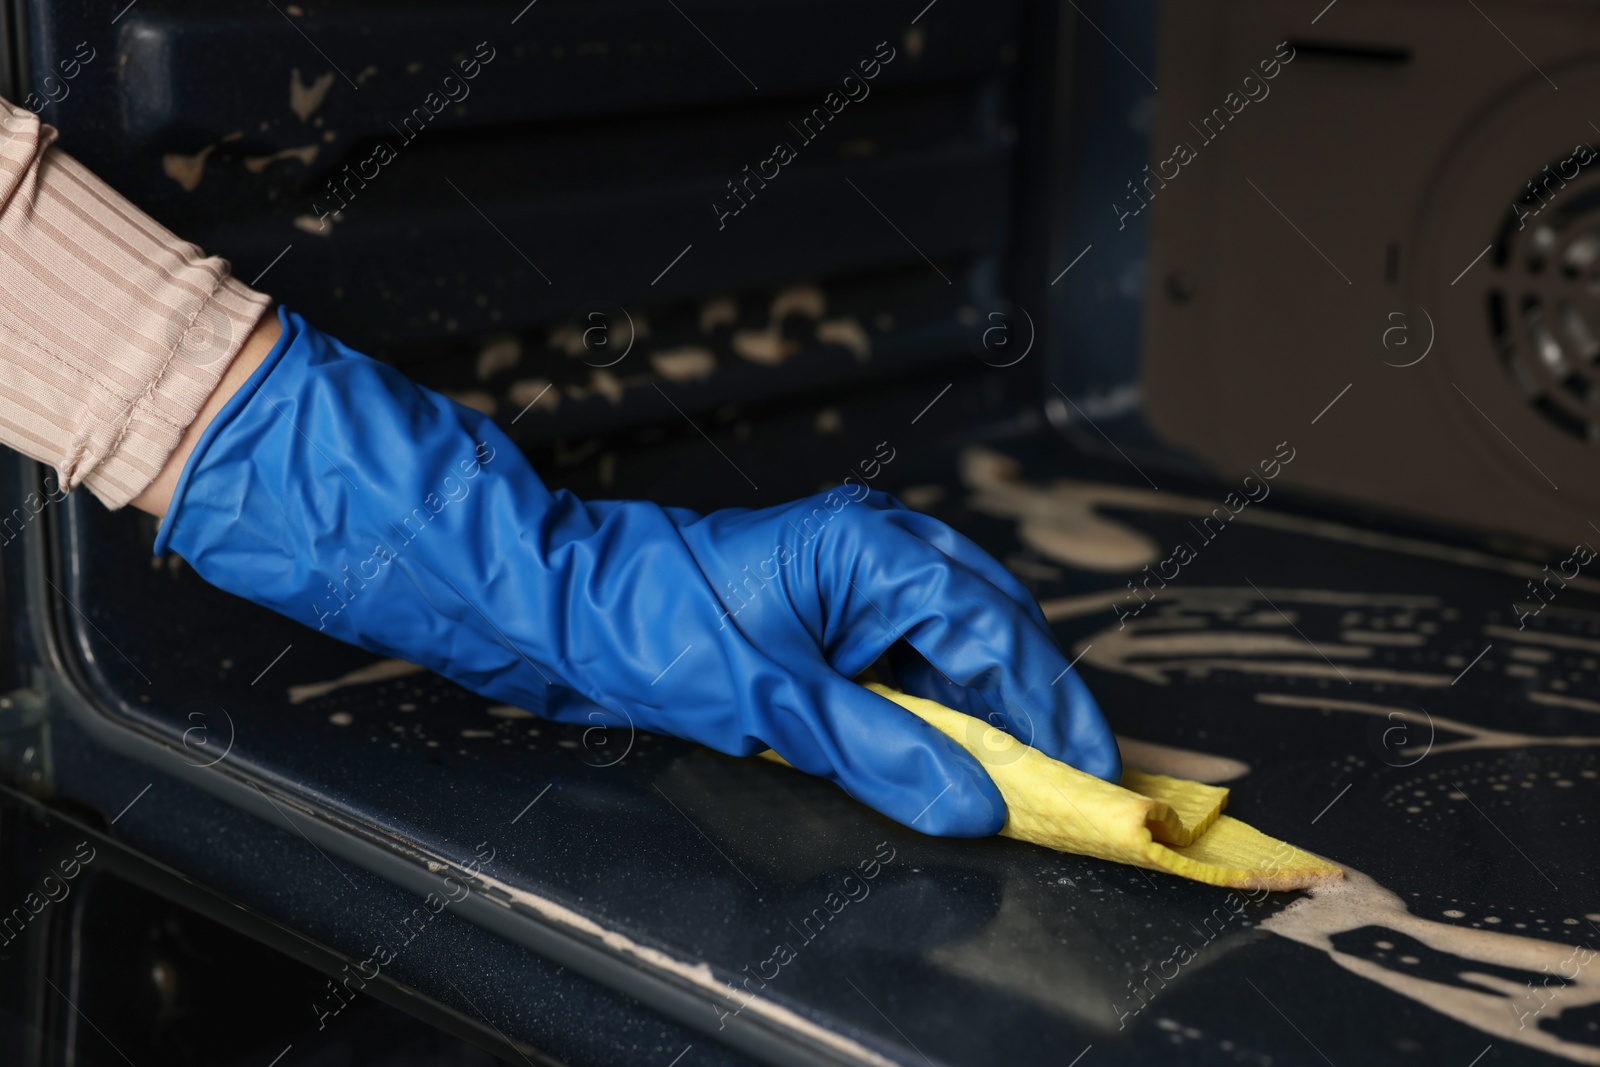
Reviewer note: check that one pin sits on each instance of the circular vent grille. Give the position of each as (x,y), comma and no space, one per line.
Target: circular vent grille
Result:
(1544,301)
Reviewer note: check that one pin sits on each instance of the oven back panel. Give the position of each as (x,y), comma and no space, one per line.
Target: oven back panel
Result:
(1448,306)
(731,201)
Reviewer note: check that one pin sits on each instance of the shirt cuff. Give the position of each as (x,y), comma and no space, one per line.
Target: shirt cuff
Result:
(113,331)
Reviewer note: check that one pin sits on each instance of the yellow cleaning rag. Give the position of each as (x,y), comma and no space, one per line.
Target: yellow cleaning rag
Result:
(1150,820)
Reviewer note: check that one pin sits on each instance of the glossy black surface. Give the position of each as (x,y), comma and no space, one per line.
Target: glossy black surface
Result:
(994,951)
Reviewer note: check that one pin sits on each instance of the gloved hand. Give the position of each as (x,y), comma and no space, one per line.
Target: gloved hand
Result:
(336,491)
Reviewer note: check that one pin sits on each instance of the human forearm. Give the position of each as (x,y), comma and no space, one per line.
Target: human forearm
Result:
(158,495)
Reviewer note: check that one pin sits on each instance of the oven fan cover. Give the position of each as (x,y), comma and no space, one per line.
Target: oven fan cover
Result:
(1543,303)
(1520,331)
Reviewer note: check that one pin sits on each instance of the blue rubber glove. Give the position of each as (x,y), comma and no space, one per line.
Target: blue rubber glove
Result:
(336,491)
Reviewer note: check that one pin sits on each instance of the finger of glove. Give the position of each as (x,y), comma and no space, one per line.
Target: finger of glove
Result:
(910,672)
(964,551)
(889,759)
(961,549)
(979,637)
(850,649)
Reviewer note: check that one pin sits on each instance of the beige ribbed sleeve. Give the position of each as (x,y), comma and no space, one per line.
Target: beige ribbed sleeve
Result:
(113,331)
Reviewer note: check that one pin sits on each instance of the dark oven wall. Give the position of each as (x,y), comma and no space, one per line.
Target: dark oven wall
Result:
(579,215)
